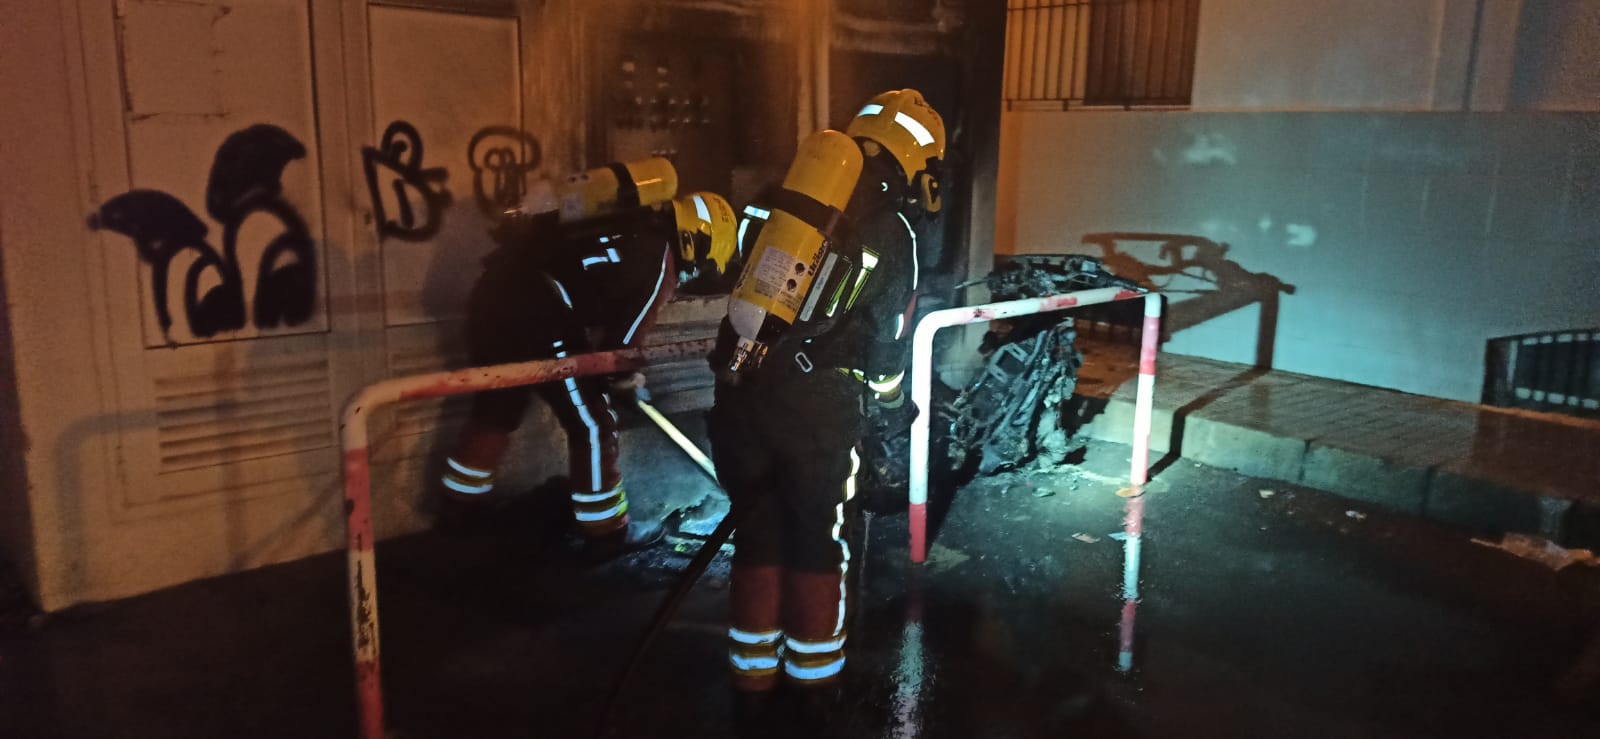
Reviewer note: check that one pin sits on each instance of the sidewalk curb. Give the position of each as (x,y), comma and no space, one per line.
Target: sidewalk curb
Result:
(1444,493)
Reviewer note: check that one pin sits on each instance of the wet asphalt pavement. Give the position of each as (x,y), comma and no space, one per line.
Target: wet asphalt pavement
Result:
(1284,614)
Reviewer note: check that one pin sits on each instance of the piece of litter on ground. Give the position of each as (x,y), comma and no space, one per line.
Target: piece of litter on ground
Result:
(1357,515)
(1119,536)
(1086,538)
(1541,550)
(1130,492)
(1043,493)
(1265,493)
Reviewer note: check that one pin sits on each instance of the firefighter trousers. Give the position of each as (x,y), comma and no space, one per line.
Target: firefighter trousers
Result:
(526,322)
(786,454)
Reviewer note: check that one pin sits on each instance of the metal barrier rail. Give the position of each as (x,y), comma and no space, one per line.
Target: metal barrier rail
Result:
(358,477)
(922,388)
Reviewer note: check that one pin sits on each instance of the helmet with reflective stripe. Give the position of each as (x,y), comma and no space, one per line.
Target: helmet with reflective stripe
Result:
(903,123)
(707,232)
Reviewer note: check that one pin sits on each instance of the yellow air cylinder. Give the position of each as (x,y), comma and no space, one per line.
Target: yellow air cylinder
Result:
(604,190)
(782,266)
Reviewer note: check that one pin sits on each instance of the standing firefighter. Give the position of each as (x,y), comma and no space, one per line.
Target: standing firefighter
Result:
(814,333)
(582,267)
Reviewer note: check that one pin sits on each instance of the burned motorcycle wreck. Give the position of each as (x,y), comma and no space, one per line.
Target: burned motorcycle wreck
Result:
(1010,414)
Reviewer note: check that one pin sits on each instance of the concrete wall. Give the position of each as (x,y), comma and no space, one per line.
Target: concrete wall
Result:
(1408,240)
(1306,55)
(16,524)
(1309,54)
(1381,247)
(1557,55)
(48,275)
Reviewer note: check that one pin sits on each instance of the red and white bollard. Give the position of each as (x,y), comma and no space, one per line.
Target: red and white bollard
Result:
(1133,513)
(922,383)
(360,539)
(1144,401)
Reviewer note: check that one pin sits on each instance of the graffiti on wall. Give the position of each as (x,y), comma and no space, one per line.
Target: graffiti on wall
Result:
(501,158)
(398,161)
(245,181)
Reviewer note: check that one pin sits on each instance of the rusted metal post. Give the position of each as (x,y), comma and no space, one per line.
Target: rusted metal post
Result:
(1132,531)
(360,540)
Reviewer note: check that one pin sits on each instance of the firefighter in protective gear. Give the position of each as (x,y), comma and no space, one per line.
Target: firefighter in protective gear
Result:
(561,289)
(784,435)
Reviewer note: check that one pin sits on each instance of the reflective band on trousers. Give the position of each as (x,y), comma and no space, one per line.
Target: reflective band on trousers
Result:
(915,266)
(599,497)
(849,494)
(755,637)
(815,647)
(661,276)
(844,548)
(467,480)
(885,384)
(585,505)
(604,515)
(818,672)
(467,488)
(751,664)
(469,471)
(565,298)
(755,652)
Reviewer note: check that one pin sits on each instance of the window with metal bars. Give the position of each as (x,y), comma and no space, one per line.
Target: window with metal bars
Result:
(1096,53)
(1553,371)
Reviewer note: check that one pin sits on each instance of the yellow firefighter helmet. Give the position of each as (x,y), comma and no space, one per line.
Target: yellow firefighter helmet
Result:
(706,233)
(903,123)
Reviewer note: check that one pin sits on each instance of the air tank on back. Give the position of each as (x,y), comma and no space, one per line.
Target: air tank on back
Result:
(782,267)
(600,191)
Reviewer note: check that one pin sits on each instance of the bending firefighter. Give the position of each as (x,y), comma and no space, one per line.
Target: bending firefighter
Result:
(582,267)
(815,331)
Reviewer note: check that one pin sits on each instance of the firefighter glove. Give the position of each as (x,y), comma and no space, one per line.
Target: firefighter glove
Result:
(628,388)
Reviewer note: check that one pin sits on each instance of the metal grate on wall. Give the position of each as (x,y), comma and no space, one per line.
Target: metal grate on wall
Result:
(205,420)
(1063,54)
(432,414)
(1556,371)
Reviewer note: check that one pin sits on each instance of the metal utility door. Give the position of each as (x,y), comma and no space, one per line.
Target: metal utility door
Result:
(446,152)
(210,216)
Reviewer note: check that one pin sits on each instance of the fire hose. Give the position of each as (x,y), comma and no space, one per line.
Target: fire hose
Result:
(691,574)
